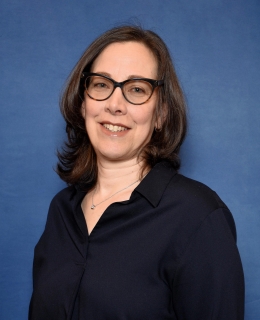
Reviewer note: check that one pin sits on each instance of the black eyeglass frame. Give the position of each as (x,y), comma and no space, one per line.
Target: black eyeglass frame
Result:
(154,83)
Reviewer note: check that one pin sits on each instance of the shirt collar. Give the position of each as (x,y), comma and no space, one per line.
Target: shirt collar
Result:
(153,185)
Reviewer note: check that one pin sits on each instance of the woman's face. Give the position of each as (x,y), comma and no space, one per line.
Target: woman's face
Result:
(117,129)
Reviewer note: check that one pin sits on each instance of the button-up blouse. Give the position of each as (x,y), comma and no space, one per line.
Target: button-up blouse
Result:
(169,252)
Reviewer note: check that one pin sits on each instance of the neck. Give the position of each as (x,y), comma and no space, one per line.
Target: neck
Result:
(115,175)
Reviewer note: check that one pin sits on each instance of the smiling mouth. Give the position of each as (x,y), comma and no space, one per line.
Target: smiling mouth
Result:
(112,128)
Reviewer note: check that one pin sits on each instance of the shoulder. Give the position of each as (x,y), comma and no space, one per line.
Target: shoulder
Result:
(165,186)
(69,196)
(64,195)
(195,193)
(197,202)
(189,202)
(64,202)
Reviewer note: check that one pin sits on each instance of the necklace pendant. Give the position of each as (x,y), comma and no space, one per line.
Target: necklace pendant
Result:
(93,207)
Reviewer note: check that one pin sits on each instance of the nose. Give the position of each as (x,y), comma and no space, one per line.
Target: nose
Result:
(116,104)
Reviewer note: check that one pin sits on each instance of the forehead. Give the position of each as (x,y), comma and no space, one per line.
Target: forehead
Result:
(123,59)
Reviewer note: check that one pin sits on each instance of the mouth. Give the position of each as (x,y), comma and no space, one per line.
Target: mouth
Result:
(114,128)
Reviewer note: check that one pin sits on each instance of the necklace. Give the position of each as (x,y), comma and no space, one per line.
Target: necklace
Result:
(93,206)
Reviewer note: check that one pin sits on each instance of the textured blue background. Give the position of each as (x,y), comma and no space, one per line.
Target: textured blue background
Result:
(216,49)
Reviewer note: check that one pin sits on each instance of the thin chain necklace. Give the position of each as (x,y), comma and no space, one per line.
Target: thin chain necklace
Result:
(93,206)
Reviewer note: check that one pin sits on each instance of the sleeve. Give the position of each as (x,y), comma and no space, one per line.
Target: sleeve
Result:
(209,281)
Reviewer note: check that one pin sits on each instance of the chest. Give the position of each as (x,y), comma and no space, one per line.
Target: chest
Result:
(124,270)
(93,211)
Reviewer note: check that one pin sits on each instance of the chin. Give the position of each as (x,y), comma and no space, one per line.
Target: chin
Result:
(115,156)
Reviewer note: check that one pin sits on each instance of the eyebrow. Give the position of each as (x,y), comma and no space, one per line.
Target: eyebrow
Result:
(129,77)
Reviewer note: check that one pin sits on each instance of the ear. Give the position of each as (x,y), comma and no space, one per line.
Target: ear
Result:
(83,109)
(161,115)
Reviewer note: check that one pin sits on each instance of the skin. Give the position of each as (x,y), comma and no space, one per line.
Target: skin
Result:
(117,152)
(121,61)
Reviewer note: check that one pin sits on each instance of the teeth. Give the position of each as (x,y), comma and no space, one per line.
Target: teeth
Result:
(112,128)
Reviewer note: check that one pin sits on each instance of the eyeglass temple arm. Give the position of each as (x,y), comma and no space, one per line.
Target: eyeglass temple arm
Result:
(159,82)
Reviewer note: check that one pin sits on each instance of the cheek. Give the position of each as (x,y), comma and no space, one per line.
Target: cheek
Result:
(145,124)
(90,108)
(145,117)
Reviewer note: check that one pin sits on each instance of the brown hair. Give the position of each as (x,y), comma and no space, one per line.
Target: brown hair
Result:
(77,160)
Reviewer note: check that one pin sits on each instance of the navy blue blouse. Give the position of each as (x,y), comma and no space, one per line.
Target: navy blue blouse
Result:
(169,252)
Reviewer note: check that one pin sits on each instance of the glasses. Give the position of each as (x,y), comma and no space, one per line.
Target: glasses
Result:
(136,91)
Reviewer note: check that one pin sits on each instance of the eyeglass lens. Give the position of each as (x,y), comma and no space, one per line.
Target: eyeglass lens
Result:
(135,91)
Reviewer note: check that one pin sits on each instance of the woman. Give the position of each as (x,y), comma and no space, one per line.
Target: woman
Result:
(130,238)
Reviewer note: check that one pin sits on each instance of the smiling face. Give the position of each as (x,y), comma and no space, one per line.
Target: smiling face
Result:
(117,129)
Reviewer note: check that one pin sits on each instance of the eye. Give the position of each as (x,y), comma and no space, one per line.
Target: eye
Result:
(138,88)
(99,84)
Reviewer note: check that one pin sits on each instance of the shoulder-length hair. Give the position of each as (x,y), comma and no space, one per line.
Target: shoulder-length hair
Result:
(77,159)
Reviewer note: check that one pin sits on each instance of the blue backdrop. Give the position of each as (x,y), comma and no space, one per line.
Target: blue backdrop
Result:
(216,49)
